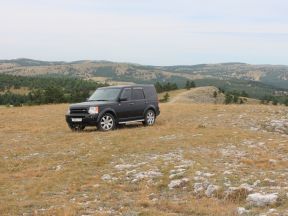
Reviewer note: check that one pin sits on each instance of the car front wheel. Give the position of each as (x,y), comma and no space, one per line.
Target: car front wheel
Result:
(150,118)
(107,122)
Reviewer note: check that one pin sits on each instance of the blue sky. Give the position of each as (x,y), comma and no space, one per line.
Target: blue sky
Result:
(147,32)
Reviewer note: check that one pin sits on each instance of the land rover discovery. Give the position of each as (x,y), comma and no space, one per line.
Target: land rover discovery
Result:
(111,106)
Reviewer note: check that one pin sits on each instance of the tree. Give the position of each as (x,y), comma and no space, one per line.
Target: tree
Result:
(190,84)
(36,96)
(54,95)
(158,87)
(265,100)
(244,94)
(286,102)
(165,98)
(235,98)
(187,85)
(165,87)
(228,98)
(221,90)
(274,101)
(48,89)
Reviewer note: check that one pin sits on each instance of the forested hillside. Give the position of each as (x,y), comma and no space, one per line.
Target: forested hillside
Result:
(273,75)
(72,81)
(42,90)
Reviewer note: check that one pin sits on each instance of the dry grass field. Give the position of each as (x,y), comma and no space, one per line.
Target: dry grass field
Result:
(197,160)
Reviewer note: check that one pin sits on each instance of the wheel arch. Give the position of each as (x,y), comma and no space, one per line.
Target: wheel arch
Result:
(110,111)
(151,107)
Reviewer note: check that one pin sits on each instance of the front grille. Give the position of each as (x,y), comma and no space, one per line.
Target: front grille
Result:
(79,111)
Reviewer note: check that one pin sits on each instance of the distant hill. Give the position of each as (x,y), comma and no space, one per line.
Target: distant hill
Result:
(258,80)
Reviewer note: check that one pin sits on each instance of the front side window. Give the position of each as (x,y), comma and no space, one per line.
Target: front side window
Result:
(138,94)
(109,94)
(126,93)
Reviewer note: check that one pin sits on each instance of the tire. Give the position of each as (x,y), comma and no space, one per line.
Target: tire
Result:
(150,118)
(76,127)
(106,122)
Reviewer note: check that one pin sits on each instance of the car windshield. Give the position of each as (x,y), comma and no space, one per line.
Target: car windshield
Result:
(109,94)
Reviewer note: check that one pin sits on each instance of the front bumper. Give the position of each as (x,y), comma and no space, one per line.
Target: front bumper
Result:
(86,119)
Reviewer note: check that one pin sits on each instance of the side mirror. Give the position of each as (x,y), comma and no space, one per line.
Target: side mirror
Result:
(87,99)
(123,99)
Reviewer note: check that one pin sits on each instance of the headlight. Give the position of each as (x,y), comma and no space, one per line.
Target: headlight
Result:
(93,110)
(68,111)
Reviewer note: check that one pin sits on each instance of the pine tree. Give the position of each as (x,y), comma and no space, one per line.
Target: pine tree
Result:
(187,85)
(166,97)
(192,84)
(228,98)
(286,102)
(274,101)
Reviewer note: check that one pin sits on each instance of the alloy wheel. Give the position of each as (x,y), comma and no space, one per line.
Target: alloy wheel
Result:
(107,122)
(150,118)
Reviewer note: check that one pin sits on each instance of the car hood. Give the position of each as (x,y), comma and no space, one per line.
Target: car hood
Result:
(90,103)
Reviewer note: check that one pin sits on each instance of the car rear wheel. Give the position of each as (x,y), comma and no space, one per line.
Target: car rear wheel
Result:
(107,122)
(150,118)
(76,127)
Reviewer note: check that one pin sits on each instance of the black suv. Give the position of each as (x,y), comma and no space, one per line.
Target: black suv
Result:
(110,106)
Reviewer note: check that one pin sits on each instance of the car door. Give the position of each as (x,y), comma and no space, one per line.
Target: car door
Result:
(125,109)
(139,102)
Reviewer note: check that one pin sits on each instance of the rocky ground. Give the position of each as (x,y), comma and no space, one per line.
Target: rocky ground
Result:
(207,94)
(197,160)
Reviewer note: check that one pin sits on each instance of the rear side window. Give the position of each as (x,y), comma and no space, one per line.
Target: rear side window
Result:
(150,93)
(126,93)
(138,94)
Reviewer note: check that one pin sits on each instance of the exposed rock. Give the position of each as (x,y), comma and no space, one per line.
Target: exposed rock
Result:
(178,183)
(242,211)
(152,196)
(199,173)
(272,211)
(185,164)
(178,170)
(256,183)
(208,174)
(258,199)
(176,175)
(124,166)
(248,187)
(272,161)
(227,172)
(106,177)
(147,174)
(58,168)
(198,187)
(168,137)
(277,125)
(210,191)
(200,95)
(236,193)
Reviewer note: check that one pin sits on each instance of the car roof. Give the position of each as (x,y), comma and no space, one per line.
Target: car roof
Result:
(127,86)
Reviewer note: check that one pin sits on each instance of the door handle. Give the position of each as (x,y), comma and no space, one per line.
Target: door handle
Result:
(131,103)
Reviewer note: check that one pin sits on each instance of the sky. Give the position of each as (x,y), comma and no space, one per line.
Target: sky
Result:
(150,32)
